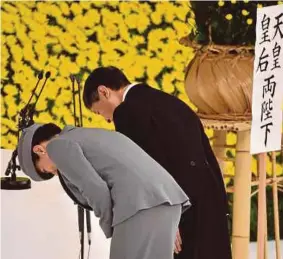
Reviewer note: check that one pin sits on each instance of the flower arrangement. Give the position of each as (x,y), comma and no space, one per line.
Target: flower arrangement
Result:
(231,22)
(67,37)
(76,37)
(224,30)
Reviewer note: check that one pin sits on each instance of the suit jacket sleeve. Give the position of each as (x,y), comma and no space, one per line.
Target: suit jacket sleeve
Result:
(70,160)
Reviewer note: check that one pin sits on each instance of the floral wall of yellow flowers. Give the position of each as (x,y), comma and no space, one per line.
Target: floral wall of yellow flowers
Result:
(141,38)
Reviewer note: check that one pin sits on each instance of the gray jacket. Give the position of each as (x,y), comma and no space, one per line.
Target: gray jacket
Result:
(108,172)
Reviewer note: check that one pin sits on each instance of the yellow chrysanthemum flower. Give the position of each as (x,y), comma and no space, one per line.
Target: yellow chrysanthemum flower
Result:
(137,70)
(76,9)
(249,21)
(167,87)
(12,140)
(12,111)
(144,8)
(4,129)
(144,22)
(111,30)
(8,122)
(85,5)
(185,99)
(231,138)
(182,12)
(180,86)
(64,7)
(233,1)
(54,9)
(44,117)
(169,14)
(8,28)
(17,52)
(156,17)
(229,168)
(62,21)
(93,17)
(23,9)
(11,40)
(9,8)
(81,60)
(39,17)
(57,48)
(68,118)
(29,4)
(132,21)
(221,3)
(245,12)
(155,68)
(181,28)
(209,133)
(125,8)
(11,90)
(4,72)
(229,17)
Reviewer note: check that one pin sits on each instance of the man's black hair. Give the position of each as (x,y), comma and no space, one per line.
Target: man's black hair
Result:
(111,77)
(43,133)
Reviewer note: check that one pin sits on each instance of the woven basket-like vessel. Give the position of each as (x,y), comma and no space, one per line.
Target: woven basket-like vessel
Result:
(219,81)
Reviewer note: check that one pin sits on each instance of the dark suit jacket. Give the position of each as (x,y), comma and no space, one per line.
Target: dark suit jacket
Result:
(170,132)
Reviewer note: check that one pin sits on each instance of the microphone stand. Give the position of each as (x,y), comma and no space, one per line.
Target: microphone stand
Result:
(78,121)
(25,119)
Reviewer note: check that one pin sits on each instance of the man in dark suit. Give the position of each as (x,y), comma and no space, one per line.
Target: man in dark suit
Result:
(171,133)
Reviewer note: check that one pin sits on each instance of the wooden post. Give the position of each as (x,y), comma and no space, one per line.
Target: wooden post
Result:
(266,236)
(241,201)
(261,217)
(219,143)
(275,206)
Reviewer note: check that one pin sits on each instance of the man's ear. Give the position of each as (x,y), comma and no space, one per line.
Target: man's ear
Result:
(103,91)
(39,150)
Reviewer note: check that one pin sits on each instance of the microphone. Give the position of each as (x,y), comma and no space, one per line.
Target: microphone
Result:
(81,228)
(40,75)
(88,226)
(78,80)
(24,110)
(12,163)
(47,75)
(26,114)
(25,120)
(32,109)
(72,77)
(78,122)
(80,100)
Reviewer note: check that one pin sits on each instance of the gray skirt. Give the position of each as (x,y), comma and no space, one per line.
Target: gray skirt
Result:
(149,234)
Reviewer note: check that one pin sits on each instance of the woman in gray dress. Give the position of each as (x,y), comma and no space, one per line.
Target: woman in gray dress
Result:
(139,204)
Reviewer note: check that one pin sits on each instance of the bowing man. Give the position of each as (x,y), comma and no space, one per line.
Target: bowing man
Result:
(172,134)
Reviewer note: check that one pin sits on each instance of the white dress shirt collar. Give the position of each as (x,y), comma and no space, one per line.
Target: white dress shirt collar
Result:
(128,89)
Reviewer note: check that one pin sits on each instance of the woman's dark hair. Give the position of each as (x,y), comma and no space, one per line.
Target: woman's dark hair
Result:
(43,133)
(110,77)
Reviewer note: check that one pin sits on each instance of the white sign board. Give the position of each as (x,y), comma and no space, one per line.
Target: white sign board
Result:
(268,81)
